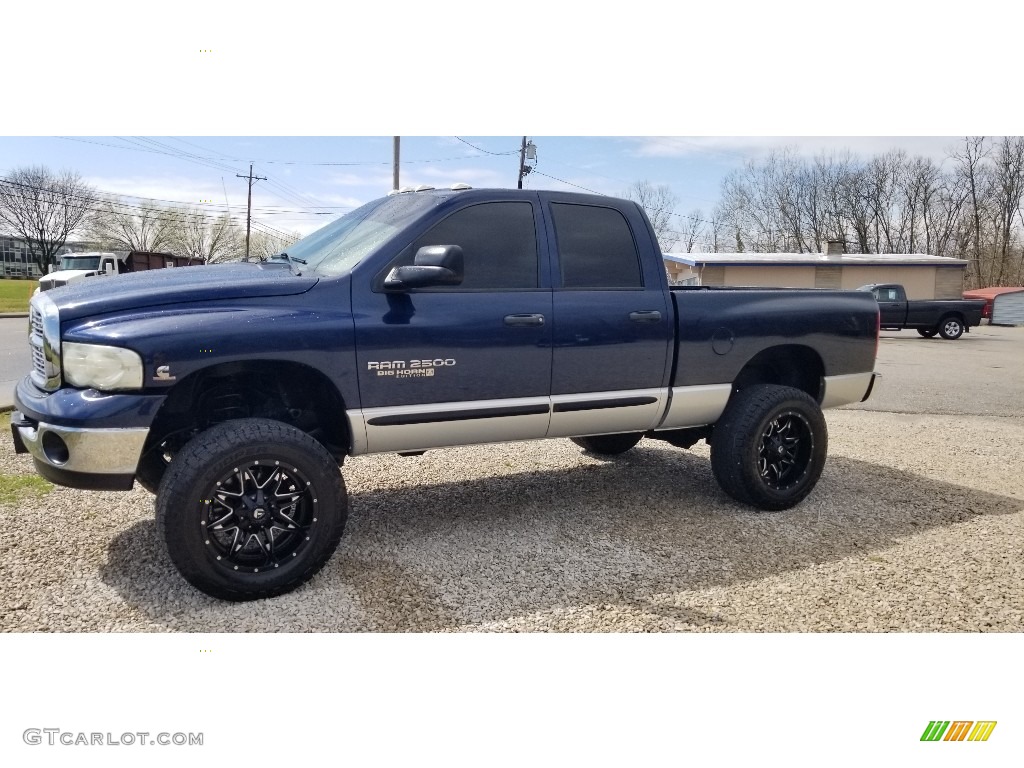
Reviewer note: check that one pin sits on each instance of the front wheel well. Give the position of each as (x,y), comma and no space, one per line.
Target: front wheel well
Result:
(280,390)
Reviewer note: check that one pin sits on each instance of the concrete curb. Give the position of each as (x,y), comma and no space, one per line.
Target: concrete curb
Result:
(12,314)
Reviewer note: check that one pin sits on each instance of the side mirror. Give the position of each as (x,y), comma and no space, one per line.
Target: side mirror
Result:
(108,267)
(433,265)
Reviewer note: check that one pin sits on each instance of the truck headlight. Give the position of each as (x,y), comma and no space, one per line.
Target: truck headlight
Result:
(101,367)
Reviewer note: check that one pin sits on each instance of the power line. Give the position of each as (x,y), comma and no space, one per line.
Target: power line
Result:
(339,163)
(563,181)
(485,151)
(116,199)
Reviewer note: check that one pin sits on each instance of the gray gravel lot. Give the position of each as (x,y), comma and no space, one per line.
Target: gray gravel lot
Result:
(916,525)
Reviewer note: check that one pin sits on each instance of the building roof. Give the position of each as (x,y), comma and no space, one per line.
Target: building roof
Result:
(813,259)
(990,293)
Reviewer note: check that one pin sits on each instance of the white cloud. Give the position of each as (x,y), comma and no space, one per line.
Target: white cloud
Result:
(741,148)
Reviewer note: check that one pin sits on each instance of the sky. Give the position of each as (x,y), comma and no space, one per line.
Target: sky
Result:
(311,180)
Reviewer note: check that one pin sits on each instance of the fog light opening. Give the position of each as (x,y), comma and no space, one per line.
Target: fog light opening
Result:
(55,449)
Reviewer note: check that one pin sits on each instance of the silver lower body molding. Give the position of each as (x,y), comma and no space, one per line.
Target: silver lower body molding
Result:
(844,389)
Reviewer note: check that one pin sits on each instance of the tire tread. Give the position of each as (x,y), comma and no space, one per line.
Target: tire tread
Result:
(176,492)
(733,432)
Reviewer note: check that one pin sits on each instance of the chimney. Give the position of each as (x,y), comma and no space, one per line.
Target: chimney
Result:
(835,248)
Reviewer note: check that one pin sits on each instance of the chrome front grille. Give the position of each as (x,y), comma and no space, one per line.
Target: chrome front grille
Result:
(44,342)
(35,343)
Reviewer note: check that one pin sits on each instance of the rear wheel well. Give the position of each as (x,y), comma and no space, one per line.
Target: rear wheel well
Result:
(788,366)
(280,390)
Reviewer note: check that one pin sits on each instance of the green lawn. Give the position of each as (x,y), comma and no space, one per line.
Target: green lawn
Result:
(14,294)
(15,488)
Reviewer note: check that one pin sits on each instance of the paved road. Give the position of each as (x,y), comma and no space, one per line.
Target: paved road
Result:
(944,377)
(15,360)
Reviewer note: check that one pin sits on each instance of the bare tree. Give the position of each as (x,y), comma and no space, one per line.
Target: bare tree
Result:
(971,166)
(264,244)
(692,228)
(44,208)
(133,228)
(659,203)
(972,208)
(1008,183)
(205,240)
(714,234)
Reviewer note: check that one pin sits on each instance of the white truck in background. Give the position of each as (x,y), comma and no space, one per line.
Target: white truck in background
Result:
(78,266)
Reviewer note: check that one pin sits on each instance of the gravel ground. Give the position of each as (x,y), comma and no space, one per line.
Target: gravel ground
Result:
(540,536)
(916,525)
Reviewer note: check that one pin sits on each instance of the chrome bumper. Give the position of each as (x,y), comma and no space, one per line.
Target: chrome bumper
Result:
(85,451)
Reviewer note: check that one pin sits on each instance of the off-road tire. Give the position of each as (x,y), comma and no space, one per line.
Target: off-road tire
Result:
(256,480)
(768,449)
(608,445)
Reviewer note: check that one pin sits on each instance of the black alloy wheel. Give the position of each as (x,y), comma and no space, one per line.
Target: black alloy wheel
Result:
(784,450)
(258,515)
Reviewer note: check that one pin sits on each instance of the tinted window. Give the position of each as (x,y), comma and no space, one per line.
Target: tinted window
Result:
(595,248)
(498,241)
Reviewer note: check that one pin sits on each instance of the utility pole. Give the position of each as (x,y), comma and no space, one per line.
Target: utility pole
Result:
(527,152)
(522,163)
(248,210)
(394,173)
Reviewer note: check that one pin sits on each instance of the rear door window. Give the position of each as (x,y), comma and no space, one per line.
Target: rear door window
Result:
(595,248)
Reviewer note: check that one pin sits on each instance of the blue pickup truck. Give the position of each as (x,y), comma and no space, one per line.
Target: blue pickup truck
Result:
(421,320)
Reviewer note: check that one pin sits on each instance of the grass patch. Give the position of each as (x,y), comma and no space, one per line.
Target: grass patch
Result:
(14,294)
(15,488)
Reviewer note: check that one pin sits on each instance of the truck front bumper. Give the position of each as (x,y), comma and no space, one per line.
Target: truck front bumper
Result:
(96,459)
(82,438)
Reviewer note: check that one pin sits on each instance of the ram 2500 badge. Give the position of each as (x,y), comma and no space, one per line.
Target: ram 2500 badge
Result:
(418,321)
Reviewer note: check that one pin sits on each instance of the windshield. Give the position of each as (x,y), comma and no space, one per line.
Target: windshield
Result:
(79,262)
(339,246)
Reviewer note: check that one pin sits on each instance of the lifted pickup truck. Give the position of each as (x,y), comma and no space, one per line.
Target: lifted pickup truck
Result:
(421,320)
(951,319)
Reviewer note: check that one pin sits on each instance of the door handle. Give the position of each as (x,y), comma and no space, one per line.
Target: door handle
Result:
(646,316)
(524,320)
